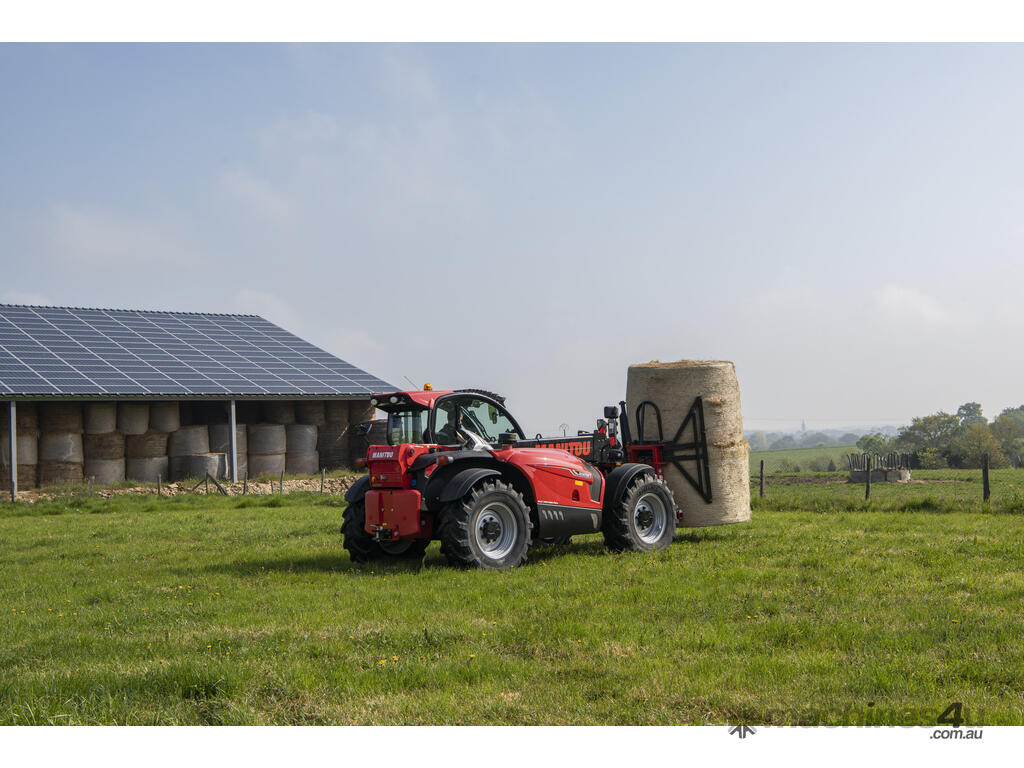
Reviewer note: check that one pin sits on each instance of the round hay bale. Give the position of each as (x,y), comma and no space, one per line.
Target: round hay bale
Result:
(300,438)
(267,438)
(220,439)
(189,441)
(310,412)
(59,472)
(146,469)
(60,417)
(360,411)
(279,411)
(303,463)
(673,388)
(336,410)
(28,475)
(266,464)
(28,418)
(197,465)
(150,445)
(165,417)
(105,471)
(28,449)
(333,445)
(61,447)
(132,418)
(100,418)
(108,446)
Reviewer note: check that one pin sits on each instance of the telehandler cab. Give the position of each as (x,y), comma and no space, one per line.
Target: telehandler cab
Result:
(460,469)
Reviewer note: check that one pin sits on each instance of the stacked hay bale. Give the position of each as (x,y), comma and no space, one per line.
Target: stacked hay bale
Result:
(132,418)
(279,412)
(220,442)
(301,456)
(61,454)
(189,454)
(673,387)
(267,444)
(333,442)
(165,417)
(361,412)
(146,457)
(27,432)
(103,445)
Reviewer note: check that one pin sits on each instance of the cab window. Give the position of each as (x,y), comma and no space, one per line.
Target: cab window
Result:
(484,418)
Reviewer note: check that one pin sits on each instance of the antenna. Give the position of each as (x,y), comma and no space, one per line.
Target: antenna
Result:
(411,382)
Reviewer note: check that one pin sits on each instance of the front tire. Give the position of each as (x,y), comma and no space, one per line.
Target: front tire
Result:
(645,519)
(361,546)
(490,528)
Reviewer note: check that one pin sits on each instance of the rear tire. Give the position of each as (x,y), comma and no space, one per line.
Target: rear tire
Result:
(361,546)
(489,528)
(645,519)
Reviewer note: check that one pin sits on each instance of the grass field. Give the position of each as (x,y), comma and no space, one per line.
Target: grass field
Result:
(785,460)
(247,610)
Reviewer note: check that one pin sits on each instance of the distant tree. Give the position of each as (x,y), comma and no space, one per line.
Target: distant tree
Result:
(970,413)
(784,443)
(876,443)
(1017,414)
(1010,434)
(936,432)
(848,439)
(967,448)
(758,441)
(831,465)
(815,439)
(929,458)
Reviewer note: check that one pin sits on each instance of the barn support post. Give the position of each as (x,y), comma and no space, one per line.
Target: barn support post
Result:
(13,435)
(232,430)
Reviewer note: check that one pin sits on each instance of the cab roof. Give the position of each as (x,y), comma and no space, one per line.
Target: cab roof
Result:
(425,398)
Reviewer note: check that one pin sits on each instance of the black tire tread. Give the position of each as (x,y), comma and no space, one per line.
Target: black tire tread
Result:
(454,527)
(617,529)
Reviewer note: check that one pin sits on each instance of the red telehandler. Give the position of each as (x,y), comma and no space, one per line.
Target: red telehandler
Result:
(459,468)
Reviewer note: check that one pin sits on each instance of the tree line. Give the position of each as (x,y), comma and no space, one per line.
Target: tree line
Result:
(957,440)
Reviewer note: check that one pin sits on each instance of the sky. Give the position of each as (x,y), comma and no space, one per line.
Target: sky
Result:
(843,222)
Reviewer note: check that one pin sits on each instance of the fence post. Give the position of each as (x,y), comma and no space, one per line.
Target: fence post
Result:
(206,484)
(867,479)
(245,484)
(762,478)
(282,482)
(984,477)
(323,478)
(159,485)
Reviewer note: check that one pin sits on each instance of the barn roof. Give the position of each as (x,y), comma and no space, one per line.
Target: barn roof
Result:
(114,353)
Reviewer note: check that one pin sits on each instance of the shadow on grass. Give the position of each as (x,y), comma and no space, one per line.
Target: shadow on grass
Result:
(340,563)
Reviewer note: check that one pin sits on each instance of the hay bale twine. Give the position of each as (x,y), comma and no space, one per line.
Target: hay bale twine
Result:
(673,387)
(267,438)
(279,411)
(150,445)
(266,464)
(28,475)
(333,445)
(28,450)
(60,417)
(59,472)
(310,412)
(302,463)
(188,441)
(146,469)
(165,417)
(104,447)
(100,418)
(197,465)
(105,471)
(61,447)
(300,438)
(132,418)
(336,410)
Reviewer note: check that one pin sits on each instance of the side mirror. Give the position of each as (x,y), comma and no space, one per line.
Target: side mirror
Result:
(364,429)
(611,411)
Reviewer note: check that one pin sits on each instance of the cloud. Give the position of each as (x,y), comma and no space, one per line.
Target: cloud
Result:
(101,239)
(904,304)
(269,306)
(259,195)
(24,297)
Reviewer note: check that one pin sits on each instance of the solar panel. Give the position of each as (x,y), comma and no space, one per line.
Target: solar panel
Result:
(72,351)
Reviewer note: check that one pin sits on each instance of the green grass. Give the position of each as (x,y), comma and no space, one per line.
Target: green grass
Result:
(247,610)
(782,460)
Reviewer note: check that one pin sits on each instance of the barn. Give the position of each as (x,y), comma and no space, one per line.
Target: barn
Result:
(119,395)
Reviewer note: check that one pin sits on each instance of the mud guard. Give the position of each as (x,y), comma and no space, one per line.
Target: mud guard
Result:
(460,484)
(358,489)
(618,482)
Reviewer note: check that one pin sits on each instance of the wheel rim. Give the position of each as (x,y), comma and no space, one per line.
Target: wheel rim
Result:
(396,547)
(496,530)
(650,518)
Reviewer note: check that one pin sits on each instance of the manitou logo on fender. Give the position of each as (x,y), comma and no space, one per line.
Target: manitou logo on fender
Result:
(577,448)
(382,455)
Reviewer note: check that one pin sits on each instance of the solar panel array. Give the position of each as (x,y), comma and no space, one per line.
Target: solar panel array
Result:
(83,352)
